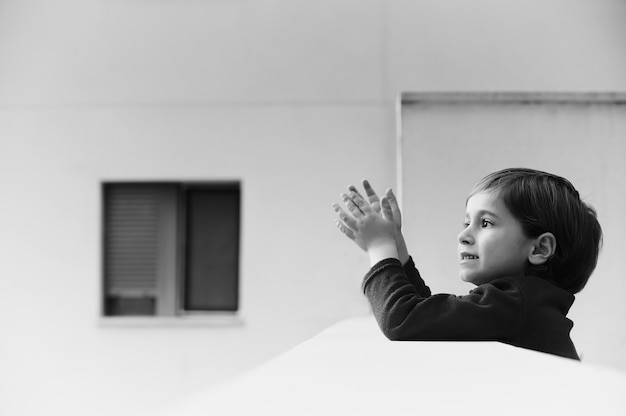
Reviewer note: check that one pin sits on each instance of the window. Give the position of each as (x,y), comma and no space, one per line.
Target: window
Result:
(170,248)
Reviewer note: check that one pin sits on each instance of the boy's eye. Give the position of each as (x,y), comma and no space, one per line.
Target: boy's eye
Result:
(486,223)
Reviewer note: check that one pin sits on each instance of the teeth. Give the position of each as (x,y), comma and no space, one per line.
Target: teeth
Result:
(469,257)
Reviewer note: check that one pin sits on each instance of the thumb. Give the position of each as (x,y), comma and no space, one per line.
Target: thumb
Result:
(386,208)
(395,208)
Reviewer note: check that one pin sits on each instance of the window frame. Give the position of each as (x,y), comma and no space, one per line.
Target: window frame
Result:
(172,288)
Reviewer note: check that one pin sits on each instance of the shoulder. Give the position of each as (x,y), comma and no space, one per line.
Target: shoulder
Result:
(526,291)
(542,292)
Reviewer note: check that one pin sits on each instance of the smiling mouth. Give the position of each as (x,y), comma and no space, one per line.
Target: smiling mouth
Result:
(468,257)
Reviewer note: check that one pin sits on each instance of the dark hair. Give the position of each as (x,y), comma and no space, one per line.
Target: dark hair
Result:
(544,202)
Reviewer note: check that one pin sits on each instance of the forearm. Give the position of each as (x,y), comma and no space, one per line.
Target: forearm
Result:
(386,248)
(403,252)
(415,279)
(392,297)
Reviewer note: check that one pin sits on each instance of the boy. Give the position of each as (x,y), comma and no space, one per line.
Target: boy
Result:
(528,243)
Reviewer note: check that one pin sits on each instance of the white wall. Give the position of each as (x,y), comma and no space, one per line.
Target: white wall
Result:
(294,98)
(458,142)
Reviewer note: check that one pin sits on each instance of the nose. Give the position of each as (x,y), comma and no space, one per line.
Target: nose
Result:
(465,237)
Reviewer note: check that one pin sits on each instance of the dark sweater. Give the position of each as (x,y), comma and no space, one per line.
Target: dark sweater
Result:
(527,311)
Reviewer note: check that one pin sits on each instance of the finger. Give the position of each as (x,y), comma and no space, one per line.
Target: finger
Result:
(351,205)
(386,208)
(361,204)
(348,232)
(393,201)
(376,203)
(353,189)
(395,207)
(372,197)
(345,218)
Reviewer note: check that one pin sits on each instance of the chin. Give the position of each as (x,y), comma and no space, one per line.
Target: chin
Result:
(466,278)
(475,280)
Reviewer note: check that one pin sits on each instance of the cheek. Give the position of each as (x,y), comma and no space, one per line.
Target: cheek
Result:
(511,253)
(504,250)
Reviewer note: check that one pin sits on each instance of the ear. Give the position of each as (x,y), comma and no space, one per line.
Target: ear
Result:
(542,249)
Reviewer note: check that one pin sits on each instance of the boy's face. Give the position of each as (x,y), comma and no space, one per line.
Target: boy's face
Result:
(492,243)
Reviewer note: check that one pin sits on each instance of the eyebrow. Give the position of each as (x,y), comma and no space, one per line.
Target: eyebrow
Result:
(484,211)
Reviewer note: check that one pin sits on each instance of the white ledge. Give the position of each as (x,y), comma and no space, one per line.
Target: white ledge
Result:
(352,369)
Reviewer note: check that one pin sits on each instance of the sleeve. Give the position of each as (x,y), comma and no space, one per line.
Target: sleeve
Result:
(415,279)
(405,309)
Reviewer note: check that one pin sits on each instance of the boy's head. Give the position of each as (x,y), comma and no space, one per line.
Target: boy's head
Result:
(546,204)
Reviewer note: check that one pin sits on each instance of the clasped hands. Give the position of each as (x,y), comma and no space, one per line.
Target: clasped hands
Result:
(374,224)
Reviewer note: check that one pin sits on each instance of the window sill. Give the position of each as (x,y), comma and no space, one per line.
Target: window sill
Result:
(213,320)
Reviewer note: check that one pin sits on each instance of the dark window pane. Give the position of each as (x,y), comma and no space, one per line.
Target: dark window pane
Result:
(212,245)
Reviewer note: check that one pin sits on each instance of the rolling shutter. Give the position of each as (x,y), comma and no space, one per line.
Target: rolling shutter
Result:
(131,218)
